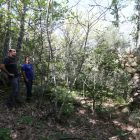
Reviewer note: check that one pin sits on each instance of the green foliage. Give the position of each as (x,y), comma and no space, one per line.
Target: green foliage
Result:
(75,102)
(27,119)
(104,74)
(49,93)
(41,126)
(102,111)
(120,132)
(117,5)
(120,100)
(88,106)
(37,89)
(93,136)
(133,17)
(78,121)
(99,110)
(65,135)
(41,138)
(5,134)
(68,110)
(87,124)
(62,92)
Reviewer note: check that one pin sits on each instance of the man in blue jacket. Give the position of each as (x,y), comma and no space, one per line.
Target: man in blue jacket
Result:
(28,74)
(9,66)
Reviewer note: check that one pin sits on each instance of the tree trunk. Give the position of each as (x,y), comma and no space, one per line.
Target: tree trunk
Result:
(116,14)
(6,46)
(21,32)
(138,28)
(79,67)
(8,28)
(51,52)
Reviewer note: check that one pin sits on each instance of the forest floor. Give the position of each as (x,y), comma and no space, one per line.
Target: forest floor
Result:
(30,123)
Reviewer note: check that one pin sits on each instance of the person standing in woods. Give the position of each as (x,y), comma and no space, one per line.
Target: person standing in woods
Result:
(28,74)
(9,66)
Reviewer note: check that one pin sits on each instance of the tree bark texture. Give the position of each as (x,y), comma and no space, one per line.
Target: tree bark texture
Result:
(8,28)
(138,27)
(21,32)
(116,14)
(51,52)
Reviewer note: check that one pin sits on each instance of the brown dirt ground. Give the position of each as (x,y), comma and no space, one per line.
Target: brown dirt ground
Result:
(83,124)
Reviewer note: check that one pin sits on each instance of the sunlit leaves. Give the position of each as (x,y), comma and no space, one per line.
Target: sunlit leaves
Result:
(133,17)
(26,1)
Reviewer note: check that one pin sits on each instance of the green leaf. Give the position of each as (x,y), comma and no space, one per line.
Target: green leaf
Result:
(26,1)
(124,6)
(58,135)
(41,126)
(27,119)
(4,132)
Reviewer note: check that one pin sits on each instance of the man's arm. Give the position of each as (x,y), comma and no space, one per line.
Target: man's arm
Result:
(4,69)
(23,73)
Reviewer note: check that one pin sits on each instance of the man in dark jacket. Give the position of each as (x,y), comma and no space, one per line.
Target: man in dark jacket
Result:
(9,66)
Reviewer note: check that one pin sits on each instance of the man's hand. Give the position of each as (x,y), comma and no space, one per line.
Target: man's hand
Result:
(4,69)
(26,80)
(11,74)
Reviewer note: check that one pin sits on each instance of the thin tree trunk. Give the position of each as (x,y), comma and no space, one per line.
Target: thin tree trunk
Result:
(116,13)
(117,16)
(77,74)
(51,52)
(84,89)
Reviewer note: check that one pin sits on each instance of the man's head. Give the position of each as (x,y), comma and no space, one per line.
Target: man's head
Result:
(27,60)
(12,53)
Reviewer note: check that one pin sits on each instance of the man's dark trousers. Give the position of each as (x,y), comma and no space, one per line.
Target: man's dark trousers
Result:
(14,94)
(29,88)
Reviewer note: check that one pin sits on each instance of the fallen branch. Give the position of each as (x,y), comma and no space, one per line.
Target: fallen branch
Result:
(114,137)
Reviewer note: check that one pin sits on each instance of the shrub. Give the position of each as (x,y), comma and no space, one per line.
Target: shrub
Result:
(5,134)
(68,109)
